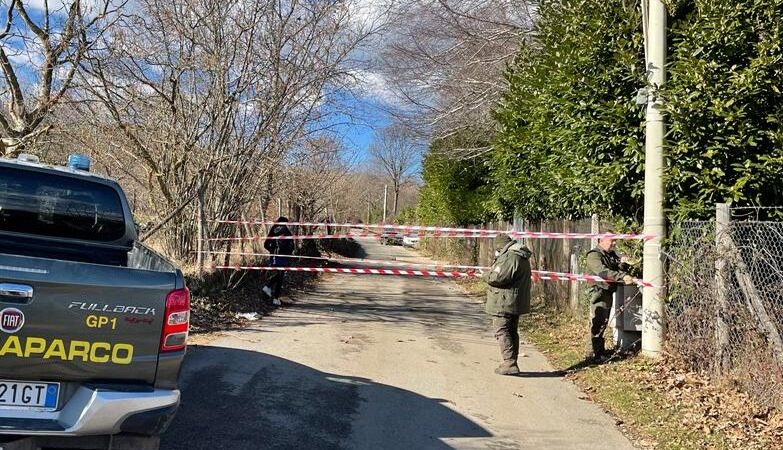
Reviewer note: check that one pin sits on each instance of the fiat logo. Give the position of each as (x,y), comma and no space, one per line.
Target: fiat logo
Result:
(11,320)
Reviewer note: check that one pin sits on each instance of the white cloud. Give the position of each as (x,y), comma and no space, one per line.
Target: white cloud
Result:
(40,5)
(374,85)
(365,12)
(56,6)
(90,8)
(23,57)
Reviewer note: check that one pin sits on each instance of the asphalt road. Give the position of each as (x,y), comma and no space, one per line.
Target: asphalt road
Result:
(375,362)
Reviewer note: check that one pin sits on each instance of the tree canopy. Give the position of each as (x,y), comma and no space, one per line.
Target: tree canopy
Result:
(725,106)
(455,190)
(570,135)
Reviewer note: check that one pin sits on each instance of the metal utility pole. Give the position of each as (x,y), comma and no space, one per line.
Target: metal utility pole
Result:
(385,197)
(654,220)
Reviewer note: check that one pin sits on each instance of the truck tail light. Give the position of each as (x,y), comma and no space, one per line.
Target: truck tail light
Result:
(176,321)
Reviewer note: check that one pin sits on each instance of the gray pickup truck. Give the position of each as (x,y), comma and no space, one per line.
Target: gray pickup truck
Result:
(93,325)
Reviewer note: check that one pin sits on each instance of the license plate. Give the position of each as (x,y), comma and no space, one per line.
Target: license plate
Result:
(24,395)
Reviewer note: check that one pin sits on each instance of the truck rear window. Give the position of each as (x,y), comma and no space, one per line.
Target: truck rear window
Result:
(59,206)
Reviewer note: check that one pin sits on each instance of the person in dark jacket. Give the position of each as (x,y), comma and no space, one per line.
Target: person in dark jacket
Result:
(279,249)
(604,262)
(508,297)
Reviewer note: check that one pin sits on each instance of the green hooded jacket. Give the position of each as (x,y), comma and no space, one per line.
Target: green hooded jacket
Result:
(607,265)
(509,281)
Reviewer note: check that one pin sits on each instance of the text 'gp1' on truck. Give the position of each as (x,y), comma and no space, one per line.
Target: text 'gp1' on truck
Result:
(93,325)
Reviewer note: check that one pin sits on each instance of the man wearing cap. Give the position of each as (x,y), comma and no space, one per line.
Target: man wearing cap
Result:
(279,249)
(508,296)
(604,262)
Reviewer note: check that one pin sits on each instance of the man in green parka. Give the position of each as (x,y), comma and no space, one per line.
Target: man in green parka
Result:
(508,297)
(602,261)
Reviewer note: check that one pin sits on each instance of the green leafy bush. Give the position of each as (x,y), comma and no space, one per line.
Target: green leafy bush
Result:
(571,140)
(725,105)
(455,191)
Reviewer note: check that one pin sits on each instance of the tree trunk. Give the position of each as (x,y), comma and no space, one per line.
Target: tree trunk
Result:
(396,199)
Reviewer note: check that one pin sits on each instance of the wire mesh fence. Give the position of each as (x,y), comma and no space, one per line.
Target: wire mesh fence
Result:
(725,307)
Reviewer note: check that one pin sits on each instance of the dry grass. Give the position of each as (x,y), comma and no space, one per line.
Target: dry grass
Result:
(657,403)
(473,287)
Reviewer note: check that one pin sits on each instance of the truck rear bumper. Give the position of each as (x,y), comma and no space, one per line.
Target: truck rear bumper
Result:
(88,412)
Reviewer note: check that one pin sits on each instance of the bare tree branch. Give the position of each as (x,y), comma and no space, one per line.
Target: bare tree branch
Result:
(445,60)
(394,153)
(58,48)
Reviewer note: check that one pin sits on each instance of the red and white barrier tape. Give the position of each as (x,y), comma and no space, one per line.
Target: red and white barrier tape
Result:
(450,231)
(418,273)
(553,235)
(354,260)
(409,228)
(562,276)
(452,234)
(537,275)
(336,236)
(294,237)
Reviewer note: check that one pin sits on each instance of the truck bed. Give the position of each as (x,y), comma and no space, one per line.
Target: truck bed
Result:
(113,314)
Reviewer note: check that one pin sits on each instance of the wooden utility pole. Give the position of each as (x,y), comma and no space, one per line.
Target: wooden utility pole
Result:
(201,231)
(595,228)
(722,280)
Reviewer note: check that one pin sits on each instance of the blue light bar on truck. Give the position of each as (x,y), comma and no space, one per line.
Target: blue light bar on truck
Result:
(79,162)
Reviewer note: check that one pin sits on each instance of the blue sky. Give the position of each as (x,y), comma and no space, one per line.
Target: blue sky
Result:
(354,116)
(357,128)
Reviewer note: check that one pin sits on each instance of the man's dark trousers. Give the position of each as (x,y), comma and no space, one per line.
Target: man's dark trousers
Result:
(507,333)
(600,304)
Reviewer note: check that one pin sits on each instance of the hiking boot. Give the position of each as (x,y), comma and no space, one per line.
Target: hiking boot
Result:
(507,369)
(598,358)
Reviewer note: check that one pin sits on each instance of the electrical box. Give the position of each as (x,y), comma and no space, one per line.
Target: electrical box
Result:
(627,313)
(628,308)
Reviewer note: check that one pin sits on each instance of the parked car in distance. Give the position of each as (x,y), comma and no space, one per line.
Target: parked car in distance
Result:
(411,240)
(391,237)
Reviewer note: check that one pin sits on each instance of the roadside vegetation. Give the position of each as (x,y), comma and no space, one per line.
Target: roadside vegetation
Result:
(566,141)
(569,138)
(660,404)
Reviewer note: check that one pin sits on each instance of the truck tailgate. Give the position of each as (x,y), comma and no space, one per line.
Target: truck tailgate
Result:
(81,322)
